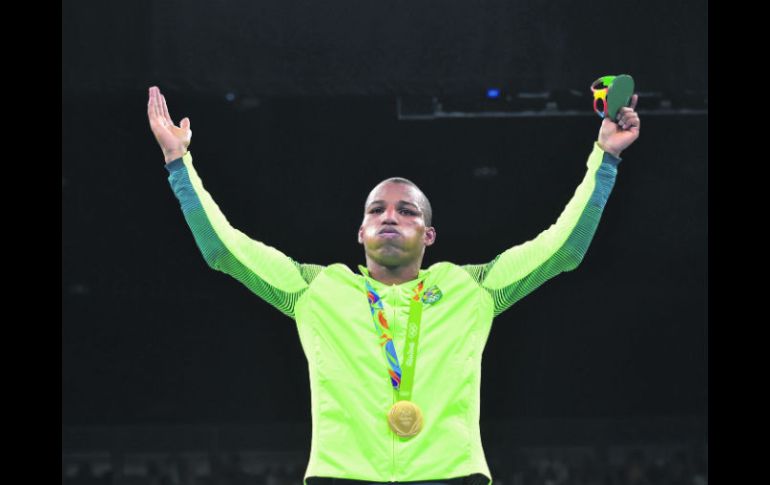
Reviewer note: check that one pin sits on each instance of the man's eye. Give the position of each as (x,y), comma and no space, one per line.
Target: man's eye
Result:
(403,211)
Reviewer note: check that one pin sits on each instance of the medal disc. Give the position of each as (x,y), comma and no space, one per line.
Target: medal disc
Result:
(405,418)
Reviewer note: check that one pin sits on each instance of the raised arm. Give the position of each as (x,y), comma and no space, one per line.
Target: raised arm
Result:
(267,272)
(521,269)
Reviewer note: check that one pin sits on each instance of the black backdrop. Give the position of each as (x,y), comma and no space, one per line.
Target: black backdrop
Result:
(349,47)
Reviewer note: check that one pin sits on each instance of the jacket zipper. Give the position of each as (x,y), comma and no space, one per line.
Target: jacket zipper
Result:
(394,305)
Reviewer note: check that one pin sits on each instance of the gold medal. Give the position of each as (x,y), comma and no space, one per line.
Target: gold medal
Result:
(405,418)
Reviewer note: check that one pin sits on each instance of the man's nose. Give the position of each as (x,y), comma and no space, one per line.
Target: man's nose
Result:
(390,215)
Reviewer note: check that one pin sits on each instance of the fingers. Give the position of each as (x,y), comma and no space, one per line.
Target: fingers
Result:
(153,106)
(164,110)
(626,116)
(628,119)
(157,110)
(150,106)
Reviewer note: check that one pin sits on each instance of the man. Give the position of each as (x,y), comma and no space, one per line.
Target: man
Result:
(394,351)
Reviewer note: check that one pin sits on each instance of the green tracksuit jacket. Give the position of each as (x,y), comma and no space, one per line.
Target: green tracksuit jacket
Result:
(351,391)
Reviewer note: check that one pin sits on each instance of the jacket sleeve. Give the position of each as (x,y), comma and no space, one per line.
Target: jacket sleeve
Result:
(266,271)
(521,269)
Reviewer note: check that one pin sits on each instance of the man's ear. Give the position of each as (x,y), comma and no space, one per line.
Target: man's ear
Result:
(430,236)
(361,235)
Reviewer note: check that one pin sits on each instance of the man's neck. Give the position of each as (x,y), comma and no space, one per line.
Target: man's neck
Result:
(393,275)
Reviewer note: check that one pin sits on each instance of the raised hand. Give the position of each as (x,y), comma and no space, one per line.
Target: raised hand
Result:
(614,137)
(173,140)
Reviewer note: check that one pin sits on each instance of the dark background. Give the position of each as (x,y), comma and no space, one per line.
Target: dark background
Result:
(293,111)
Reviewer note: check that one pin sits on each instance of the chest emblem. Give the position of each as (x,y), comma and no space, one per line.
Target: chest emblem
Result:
(432,295)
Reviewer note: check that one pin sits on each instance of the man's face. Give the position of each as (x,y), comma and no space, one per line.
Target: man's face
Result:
(393,231)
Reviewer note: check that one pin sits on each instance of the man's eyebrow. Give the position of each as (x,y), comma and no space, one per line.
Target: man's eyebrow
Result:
(402,202)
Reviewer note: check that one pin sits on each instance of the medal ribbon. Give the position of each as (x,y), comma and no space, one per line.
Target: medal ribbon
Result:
(401,384)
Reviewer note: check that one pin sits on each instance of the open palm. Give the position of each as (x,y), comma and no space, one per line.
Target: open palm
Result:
(173,140)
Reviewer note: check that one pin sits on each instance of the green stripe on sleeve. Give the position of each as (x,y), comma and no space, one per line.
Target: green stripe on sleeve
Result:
(266,271)
(521,269)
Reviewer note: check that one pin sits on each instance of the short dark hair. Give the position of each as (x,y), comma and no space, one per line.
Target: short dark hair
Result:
(427,210)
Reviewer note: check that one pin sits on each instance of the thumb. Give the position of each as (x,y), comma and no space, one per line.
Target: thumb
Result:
(634,99)
(185,123)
